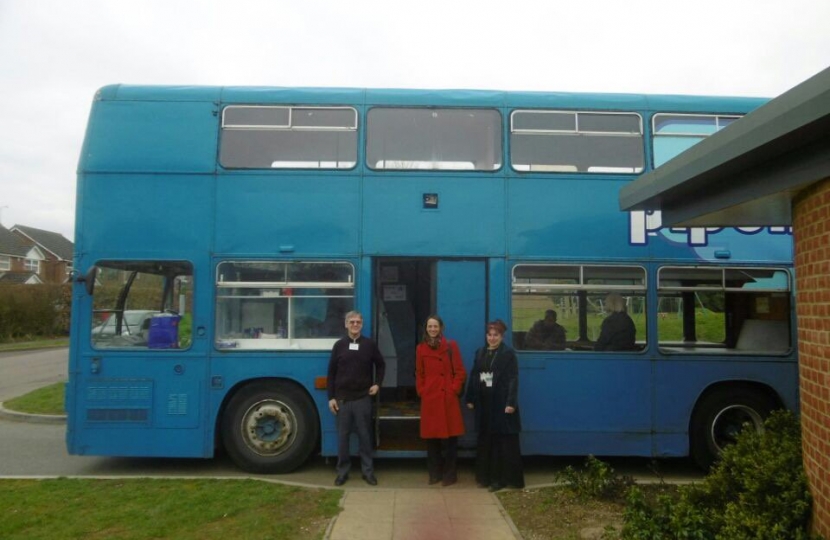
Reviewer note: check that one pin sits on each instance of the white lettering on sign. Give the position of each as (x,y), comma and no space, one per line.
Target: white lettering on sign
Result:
(643,224)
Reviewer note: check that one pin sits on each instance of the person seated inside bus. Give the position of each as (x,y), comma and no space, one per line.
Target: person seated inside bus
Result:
(617,332)
(546,334)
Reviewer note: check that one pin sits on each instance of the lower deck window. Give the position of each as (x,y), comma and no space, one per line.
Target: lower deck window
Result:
(579,308)
(282,305)
(142,304)
(723,311)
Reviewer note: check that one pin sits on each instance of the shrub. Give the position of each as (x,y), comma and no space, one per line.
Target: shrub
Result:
(597,480)
(28,311)
(757,490)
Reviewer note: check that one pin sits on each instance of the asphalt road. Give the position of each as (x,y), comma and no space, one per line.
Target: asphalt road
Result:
(39,450)
(22,372)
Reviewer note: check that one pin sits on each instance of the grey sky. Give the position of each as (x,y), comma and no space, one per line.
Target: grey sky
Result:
(54,55)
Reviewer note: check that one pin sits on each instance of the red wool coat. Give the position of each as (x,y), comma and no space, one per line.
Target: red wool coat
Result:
(439,380)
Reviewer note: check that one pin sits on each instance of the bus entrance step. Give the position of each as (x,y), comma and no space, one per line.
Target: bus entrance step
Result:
(399,410)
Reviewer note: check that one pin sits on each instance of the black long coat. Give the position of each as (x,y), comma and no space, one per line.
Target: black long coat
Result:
(505,391)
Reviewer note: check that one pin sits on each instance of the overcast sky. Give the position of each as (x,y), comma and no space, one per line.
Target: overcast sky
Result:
(54,55)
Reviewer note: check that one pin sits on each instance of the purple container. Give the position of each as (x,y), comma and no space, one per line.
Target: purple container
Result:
(164,331)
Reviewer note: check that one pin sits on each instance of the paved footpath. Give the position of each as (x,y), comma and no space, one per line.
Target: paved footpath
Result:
(422,514)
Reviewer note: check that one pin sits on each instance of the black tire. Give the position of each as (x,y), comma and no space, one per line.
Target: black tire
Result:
(720,416)
(270,428)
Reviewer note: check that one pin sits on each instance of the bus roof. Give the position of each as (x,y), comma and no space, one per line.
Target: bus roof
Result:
(426,97)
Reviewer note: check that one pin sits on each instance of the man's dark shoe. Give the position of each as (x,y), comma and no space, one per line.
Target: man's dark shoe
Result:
(370,479)
(448,481)
(340,480)
(433,480)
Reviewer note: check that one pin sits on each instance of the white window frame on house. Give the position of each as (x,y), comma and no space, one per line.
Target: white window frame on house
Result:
(5,263)
(31,265)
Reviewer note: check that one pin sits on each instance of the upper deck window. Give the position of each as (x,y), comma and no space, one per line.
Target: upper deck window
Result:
(264,137)
(676,133)
(434,139)
(576,141)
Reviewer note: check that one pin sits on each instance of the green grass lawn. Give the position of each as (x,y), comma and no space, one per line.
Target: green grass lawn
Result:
(158,508)
(709,325)
(46,400)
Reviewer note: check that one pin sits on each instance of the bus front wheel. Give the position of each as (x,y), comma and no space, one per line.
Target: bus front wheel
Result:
(270,428)
(720,417)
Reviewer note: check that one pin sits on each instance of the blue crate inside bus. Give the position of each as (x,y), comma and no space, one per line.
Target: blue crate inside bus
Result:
(164,331)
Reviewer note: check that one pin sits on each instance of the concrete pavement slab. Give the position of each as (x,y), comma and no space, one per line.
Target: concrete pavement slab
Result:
(422,514)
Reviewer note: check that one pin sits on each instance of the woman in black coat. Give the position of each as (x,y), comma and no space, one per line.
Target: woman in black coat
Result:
(493,392)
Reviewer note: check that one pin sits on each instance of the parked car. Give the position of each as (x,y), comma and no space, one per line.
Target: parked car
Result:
(135,321)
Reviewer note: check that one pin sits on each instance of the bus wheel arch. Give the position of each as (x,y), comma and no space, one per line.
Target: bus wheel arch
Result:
(269,426)
(720,413)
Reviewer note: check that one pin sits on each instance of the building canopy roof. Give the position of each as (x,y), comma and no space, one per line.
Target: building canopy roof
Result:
(748,173)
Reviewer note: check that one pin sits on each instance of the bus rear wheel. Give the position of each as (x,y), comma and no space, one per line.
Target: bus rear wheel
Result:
(270,428)
(721,416)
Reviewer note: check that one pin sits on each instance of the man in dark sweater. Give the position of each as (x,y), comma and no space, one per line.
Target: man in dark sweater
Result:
(350,387)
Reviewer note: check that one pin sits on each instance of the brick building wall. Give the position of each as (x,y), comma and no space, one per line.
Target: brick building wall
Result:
(811,229)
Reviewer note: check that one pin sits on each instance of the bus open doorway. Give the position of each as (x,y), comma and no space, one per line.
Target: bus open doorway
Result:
(406,292)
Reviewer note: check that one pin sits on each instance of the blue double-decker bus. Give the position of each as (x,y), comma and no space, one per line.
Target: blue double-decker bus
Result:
(223,232)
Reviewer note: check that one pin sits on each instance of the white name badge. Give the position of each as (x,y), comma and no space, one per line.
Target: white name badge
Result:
(354,346)
(486,377)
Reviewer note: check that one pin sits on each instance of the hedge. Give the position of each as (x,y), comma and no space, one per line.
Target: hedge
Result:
(34,311)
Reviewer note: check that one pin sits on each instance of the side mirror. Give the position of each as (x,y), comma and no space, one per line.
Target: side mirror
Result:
(88,279)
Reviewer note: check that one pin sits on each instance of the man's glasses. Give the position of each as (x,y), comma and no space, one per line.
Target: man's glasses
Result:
(355,322)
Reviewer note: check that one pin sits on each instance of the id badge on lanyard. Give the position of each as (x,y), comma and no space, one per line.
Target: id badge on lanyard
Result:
(487,378)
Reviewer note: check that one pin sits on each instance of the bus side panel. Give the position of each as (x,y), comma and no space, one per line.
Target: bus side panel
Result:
(291,214)
(152,411)
(144,226)
(145,136)
(140,402)
(680,381)
(566,217)
(469,219)
(749,245)
(585,403)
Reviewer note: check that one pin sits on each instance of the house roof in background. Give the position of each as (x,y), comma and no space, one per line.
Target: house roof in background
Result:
(26,278)
(51,241)
(10,244)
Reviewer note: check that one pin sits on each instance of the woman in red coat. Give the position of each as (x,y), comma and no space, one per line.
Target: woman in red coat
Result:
(439,380)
